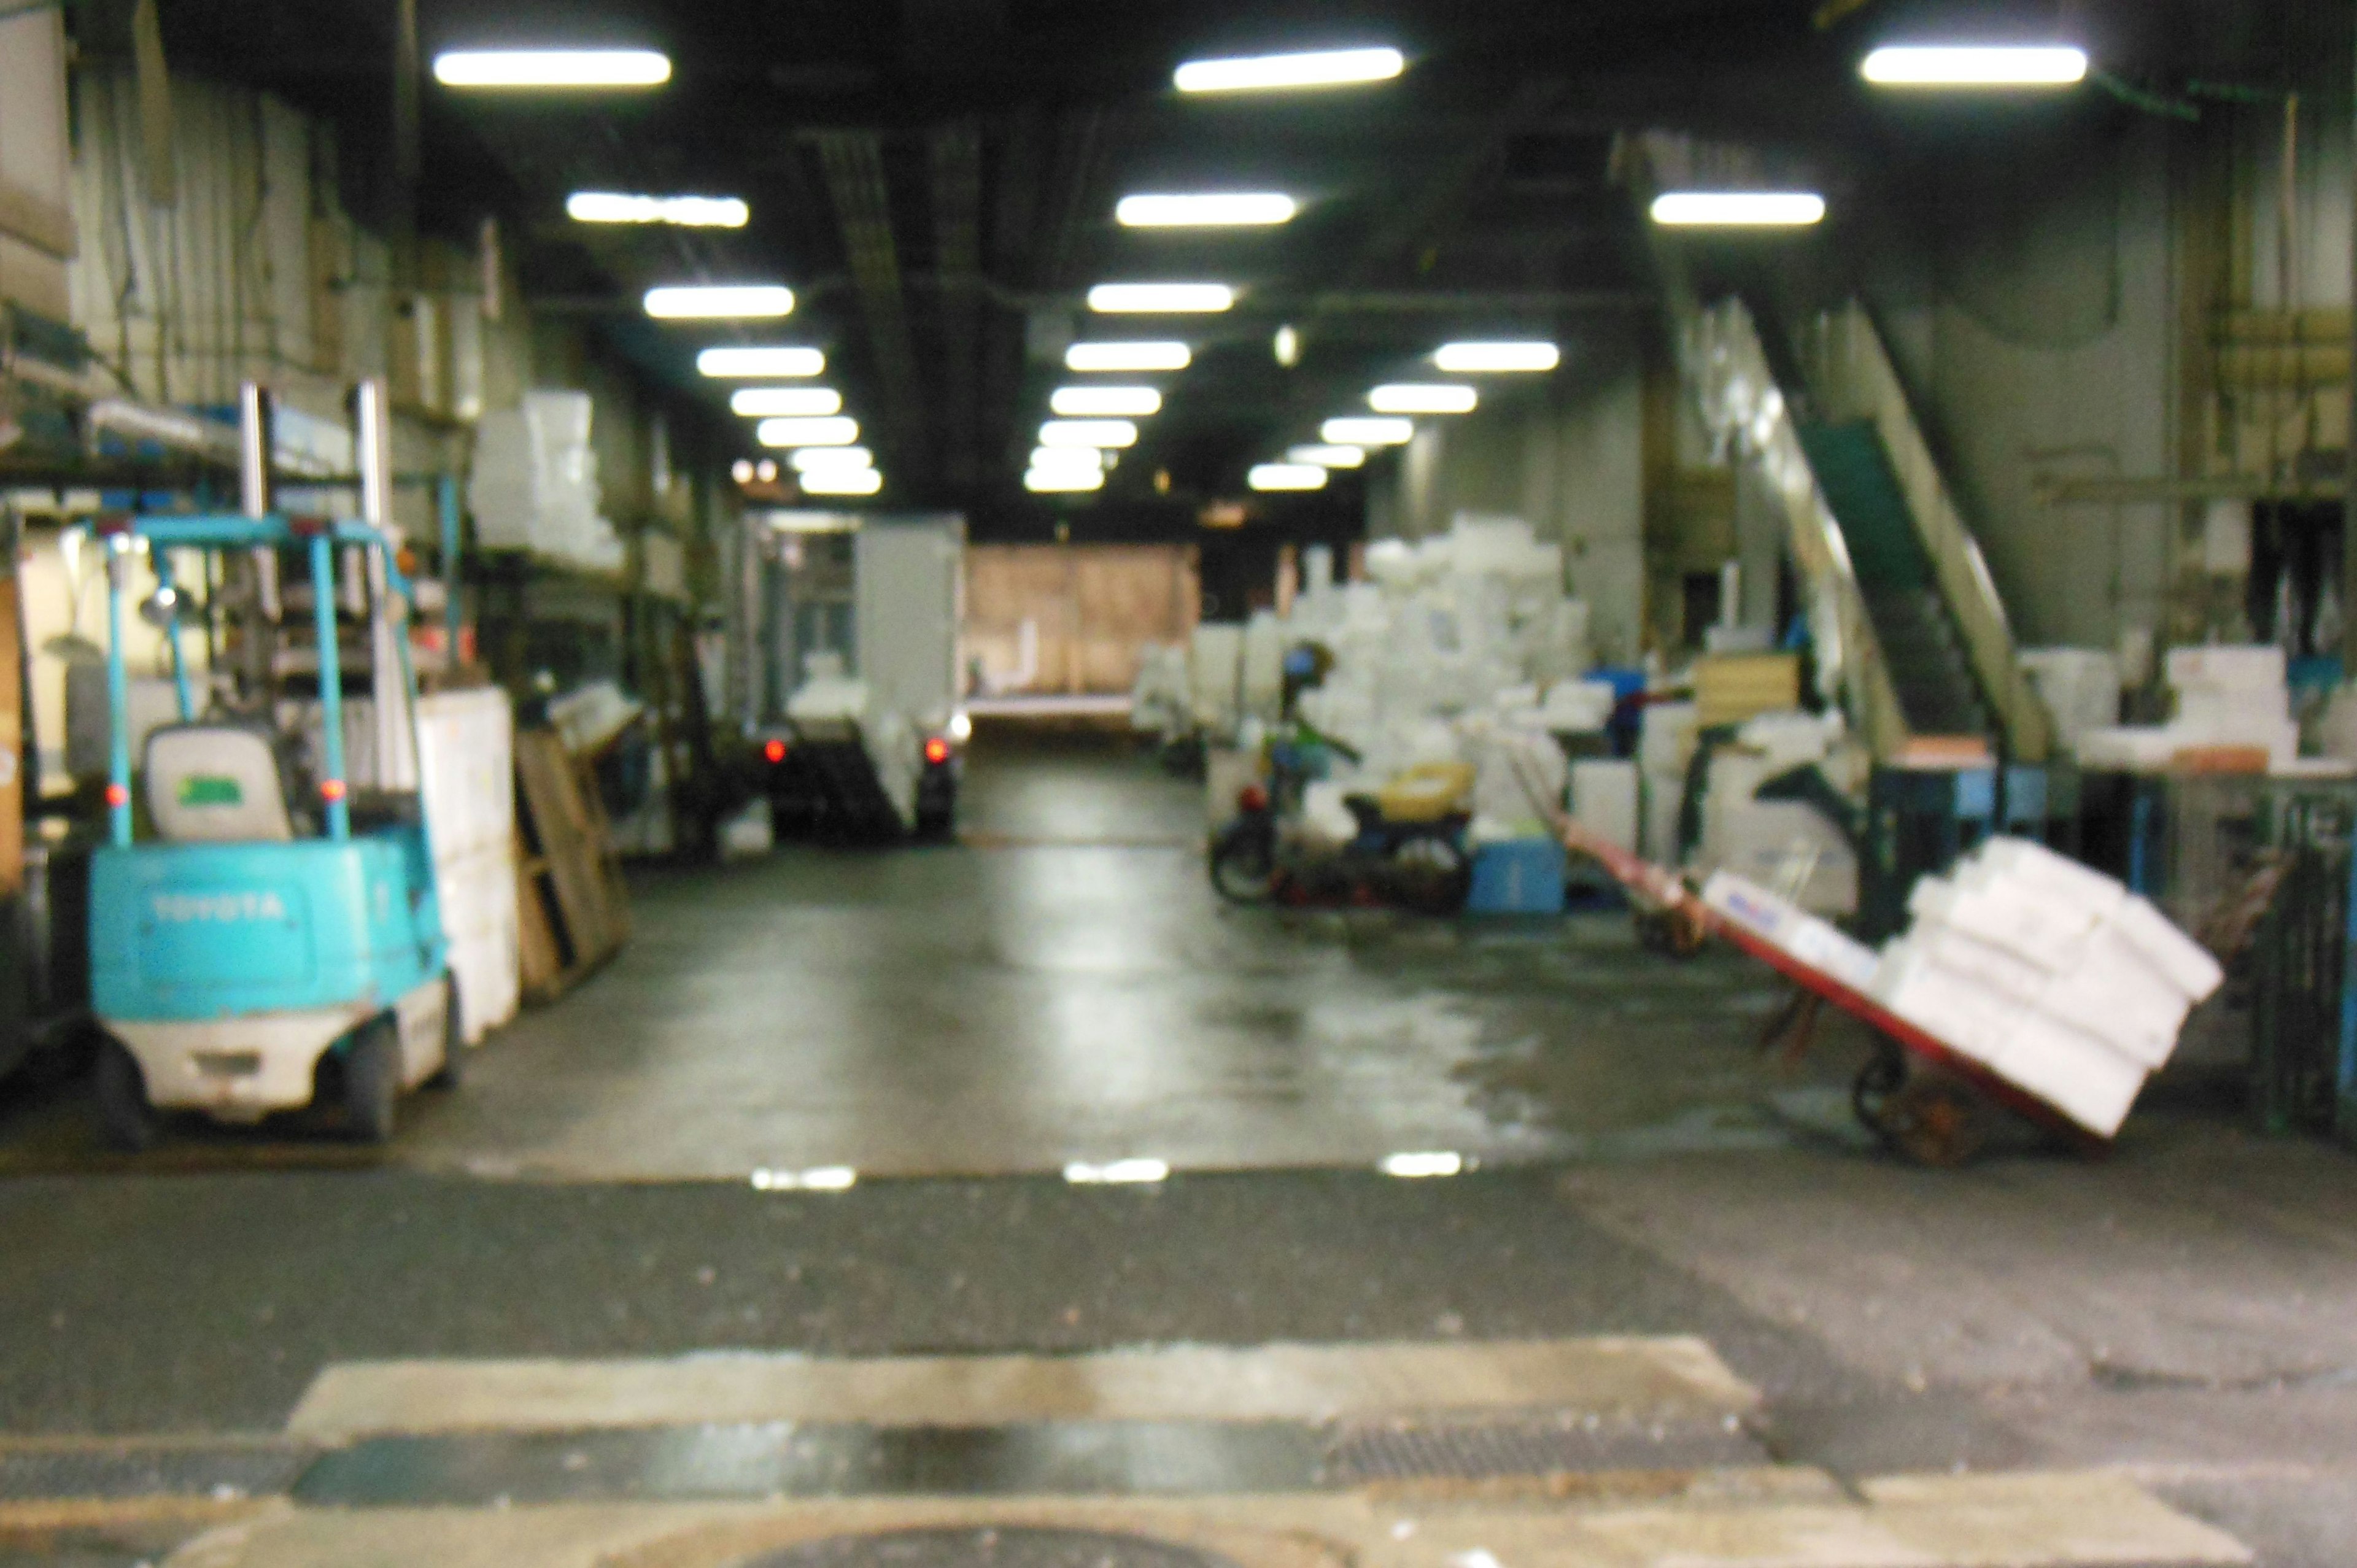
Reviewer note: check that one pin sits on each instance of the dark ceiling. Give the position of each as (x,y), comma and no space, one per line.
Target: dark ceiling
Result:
(936,178)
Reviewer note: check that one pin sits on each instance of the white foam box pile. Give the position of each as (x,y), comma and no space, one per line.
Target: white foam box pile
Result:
(2051,976)
(2231,696)
(535,485)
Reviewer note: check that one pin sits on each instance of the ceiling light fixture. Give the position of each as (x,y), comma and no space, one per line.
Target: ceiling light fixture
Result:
(719,302)
(1161,298)
(1982,65)
(1483,359)
(1207,209)
(842,482)
(836,432)
(735,362)
(1357,432)
(1090,458)
(1287,476)
(679,212)
(768,402)
(823,459)
(1271,73)
(551,68)
(1287,345)
(1423,397)
(1131,357)
(1738,208)
(1133,402)
(1063,481)
(1329,457)
(1088,433)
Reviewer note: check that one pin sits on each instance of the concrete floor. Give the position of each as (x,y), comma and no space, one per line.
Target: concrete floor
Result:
(958,1024)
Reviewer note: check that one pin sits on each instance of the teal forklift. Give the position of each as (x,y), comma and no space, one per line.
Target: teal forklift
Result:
(265,929)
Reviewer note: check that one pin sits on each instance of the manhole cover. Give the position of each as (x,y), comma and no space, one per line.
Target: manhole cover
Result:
(977,1548)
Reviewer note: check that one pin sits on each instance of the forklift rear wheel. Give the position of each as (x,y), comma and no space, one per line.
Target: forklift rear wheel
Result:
(129,1121)
(372,1080)
(453,1071)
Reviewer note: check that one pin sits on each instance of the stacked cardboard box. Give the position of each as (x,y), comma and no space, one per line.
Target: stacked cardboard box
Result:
(2054,976)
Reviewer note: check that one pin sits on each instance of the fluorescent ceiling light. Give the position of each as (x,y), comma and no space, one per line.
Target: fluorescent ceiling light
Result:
(1434,1163)
(769,402)
(1423,397)
(1287,476)
(1946,65)
(1143,355)
(1329,457)
(818,1178)
(762,362)
(1367,431)
(719,302)
(1063,481)
(842,482)
(1155,298)
(1091,458)
(551,68)
(820,460)
(1478,359)
(680,212)
(807,432)
(1738,208)
(1135,401)
(1117,1172)
(1207,209)
(1088,433)
(1267,73)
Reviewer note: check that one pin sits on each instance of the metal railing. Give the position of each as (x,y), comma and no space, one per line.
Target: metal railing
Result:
(1851,377)
(1747,413)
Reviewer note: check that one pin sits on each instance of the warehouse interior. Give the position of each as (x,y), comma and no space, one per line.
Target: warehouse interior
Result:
(1208,784)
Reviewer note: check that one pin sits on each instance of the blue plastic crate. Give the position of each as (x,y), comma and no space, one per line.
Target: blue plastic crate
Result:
(1518,876)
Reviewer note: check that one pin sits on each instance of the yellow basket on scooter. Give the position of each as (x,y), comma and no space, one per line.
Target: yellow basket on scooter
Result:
(1426,792)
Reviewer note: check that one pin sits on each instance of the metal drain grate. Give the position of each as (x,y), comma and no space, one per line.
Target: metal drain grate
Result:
(1022,1547)
(1366,1454)
(190,1470)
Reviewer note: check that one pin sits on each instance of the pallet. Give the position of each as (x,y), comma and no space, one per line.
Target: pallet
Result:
(573,907)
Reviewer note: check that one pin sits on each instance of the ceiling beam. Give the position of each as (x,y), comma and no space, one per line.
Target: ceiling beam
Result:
(852,163)
(954,162)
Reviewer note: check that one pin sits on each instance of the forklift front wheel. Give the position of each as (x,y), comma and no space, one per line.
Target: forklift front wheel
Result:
(372,1080)
(124,1115)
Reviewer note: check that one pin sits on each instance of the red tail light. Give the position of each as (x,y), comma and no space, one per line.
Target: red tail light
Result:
(775,751)
(1252,798)
(937,751)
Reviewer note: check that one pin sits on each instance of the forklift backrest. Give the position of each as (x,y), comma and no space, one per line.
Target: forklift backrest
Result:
(216,783)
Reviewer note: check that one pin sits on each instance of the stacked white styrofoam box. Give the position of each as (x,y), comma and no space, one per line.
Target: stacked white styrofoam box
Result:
(1214,663)
(535,485)
(1792,930)
(2081,687)
(1604,800)
(2051,976)
(1777,843)
(1665,746)
(1470,629)
(1512,763)
(2225,697)
(466,754)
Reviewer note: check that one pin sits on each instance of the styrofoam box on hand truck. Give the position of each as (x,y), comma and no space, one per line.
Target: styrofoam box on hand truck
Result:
(1784,924)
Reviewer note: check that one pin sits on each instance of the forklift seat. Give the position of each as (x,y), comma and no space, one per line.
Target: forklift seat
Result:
(216,783)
